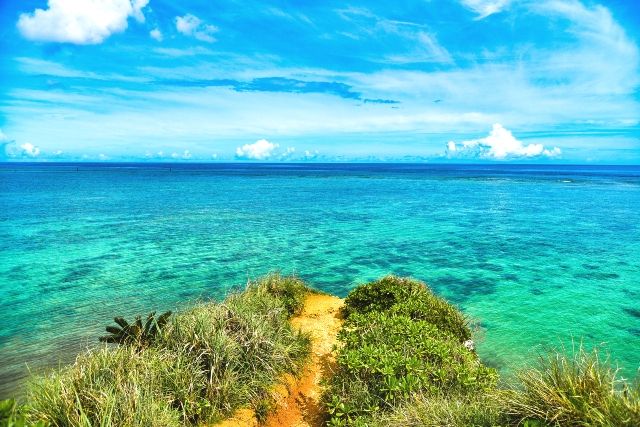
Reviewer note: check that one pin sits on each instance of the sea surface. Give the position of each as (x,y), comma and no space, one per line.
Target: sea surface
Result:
(539,256)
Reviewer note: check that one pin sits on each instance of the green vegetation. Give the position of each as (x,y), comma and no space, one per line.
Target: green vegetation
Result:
(577,390)
(402,360)
(200,366)
(136,333)
(400,340)
(455,411)
(13,415)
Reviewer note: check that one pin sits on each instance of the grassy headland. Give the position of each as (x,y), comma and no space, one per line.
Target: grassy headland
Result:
(205,363)
(404,358)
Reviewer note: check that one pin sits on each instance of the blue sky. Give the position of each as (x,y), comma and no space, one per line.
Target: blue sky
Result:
(424,80)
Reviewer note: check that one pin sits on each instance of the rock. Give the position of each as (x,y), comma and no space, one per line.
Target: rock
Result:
(470,345)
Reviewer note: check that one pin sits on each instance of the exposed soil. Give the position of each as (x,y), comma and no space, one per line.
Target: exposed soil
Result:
(298,400)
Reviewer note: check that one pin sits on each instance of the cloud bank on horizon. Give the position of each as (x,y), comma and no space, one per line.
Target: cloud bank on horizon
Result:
(551,80)
(500,144)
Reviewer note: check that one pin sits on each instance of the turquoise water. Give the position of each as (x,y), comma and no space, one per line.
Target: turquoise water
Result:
(538,255)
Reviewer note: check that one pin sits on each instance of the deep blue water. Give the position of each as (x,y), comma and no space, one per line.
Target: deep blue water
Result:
(538,255)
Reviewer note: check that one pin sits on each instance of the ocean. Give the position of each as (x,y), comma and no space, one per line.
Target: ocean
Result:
(539,256)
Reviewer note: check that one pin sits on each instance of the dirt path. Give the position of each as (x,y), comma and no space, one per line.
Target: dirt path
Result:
(298,401)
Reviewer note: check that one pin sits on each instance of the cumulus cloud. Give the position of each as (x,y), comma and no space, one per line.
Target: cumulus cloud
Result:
(79,21)
(192,26)
(500,144)
(156,34)
(259,150)
(484,8)
(11,150)
(30,150)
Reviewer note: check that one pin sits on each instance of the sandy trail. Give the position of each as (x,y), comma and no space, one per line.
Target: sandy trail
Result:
(298,400)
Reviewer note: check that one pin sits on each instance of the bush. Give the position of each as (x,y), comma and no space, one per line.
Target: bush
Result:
(408,297)
(205,363)
(392,351)
(577,390)
(382,294)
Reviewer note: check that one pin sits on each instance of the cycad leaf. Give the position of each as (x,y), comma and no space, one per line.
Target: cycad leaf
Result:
(114,330)
(162,320)
(120,321)
(149,323)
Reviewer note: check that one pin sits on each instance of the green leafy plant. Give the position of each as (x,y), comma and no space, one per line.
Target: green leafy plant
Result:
(136,333)
(382,294)
(400,340)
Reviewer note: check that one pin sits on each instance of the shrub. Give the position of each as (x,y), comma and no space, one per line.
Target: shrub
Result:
(382,294)
(408,297)
(389,352)
(203,364)
(577,390)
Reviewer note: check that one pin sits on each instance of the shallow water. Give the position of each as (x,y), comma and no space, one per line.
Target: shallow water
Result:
(538,255)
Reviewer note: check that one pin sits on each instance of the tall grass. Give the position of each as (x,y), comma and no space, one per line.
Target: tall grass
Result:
(207,361)
(574,390)
(450,411)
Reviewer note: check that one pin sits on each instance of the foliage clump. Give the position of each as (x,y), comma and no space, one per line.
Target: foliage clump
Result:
(399,340)
(136,333)
(579,389)
(289,290)
(402,296)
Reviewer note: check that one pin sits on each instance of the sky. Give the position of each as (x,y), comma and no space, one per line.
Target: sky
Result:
(402,80)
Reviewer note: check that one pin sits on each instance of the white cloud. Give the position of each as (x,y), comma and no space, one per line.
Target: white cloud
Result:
(259,150)
(310,155)
(419,44)
(484,8)
(288,152)
(79,21)
(186,155)
(500,144)
(156,34)
(11,150)
(602,59)
(427,49)
(30,150)
(191,25)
